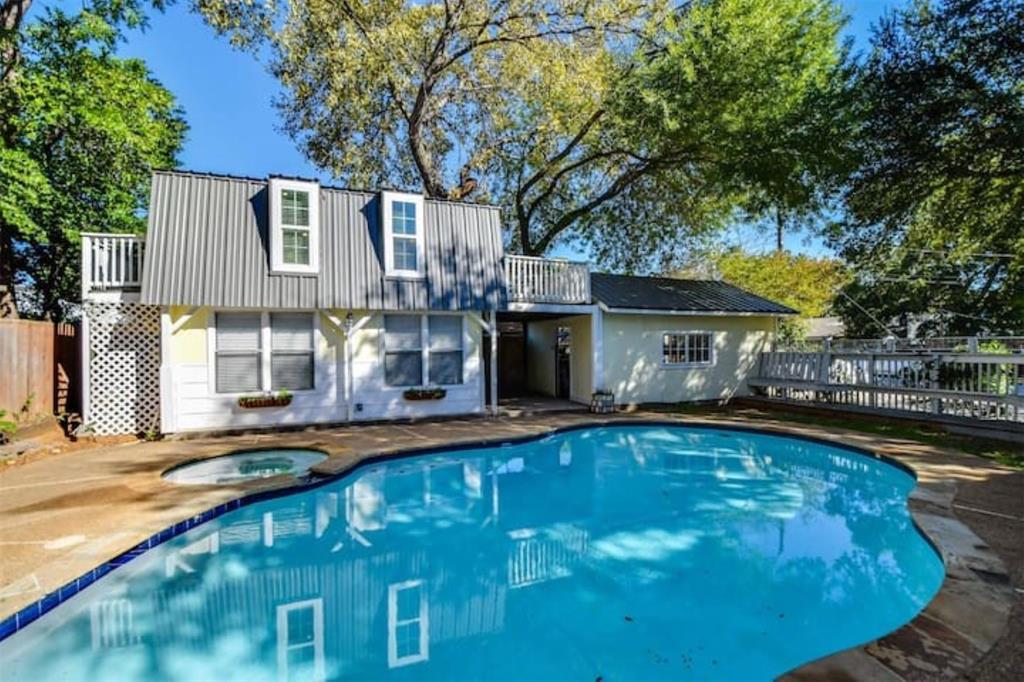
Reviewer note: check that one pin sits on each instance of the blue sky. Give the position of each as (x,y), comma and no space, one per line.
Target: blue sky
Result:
(227,97)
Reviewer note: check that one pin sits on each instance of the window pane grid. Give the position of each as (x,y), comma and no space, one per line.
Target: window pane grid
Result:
(294,208)
(295,246)
(405,257)
(686,349)
(403,218)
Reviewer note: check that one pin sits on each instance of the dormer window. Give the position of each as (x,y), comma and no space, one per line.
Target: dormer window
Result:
(402,218)
(294,226)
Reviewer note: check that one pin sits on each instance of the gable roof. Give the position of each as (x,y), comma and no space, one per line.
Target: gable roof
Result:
(206,245)
(679,295)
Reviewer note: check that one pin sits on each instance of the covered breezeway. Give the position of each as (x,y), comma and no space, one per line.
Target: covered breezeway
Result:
(545,360)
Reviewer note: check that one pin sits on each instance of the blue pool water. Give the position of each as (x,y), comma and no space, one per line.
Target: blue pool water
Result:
(620,553)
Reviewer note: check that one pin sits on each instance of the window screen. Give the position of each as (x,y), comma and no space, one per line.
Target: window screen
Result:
(291,357)
(403,350)
(445,349)
(237,362)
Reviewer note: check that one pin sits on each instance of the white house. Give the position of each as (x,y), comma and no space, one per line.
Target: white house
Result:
(254,303)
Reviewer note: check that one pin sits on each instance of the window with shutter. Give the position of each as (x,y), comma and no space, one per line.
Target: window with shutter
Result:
(403,350)
(445,349)
(238,352)
(291,351)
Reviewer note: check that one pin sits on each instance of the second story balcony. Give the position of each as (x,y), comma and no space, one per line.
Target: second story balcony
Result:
(541,280)
(112,269)
(111,265)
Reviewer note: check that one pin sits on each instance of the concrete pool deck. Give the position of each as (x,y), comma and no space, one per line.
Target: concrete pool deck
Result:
(63,515)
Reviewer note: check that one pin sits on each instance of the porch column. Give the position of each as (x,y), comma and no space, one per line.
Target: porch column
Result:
(494,362)
(167,388)
(597,348)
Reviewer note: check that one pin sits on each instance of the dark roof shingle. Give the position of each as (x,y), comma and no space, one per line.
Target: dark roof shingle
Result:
(679,295)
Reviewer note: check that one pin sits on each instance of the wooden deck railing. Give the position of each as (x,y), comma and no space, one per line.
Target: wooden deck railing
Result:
(540,280)
(111,262)
(969,385)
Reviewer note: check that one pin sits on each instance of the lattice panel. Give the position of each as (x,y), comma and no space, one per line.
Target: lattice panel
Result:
(124,367)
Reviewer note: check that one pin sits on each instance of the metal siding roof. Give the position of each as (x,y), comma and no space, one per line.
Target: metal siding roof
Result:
(683,295)
(207,237)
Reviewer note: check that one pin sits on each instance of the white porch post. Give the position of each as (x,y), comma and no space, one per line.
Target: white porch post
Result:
(85,356)
(84,337)
(494,362)
(597,348)
(167,388)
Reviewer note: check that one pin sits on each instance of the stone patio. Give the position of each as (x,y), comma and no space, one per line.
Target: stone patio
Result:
(63,515)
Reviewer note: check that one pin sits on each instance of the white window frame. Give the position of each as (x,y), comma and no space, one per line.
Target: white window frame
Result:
(387,235)
(317,605)
(424,350)
(265,352)
(712,355)
(423,618)
(277,264)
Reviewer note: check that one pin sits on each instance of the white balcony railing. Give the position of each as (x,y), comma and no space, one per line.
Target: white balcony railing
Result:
(540,280)
(111,262)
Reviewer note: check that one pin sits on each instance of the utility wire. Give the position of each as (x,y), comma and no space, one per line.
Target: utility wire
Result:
(865,311)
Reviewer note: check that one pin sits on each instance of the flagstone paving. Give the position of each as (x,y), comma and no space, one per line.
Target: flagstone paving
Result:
(63,515)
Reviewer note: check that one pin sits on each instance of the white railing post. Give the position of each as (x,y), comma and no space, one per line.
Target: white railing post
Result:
(538,280)
(86,265)
(111,262)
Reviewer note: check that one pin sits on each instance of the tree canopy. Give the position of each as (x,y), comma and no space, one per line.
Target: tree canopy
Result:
(934,223)
(808,285)
(610,122)
(81,129)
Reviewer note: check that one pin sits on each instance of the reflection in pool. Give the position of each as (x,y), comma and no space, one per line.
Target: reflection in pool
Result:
(633,552)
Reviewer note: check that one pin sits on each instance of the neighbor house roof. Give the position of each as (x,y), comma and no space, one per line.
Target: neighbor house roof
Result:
(825,327)
(206,245)
(679,295)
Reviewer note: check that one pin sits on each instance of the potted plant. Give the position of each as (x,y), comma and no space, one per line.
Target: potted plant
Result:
(280,399)
(429,393)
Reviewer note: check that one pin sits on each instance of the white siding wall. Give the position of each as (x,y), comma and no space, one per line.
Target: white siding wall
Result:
(197,406)
(632,357)
(380,401)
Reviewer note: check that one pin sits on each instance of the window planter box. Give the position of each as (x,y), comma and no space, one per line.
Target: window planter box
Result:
(424,394)
(251,402)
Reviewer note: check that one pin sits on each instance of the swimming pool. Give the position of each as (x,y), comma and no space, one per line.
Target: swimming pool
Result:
(625,552)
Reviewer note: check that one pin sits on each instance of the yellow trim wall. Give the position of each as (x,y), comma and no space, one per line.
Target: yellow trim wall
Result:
(188,343)
(632,357)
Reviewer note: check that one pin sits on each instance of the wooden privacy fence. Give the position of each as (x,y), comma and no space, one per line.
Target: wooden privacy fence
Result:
(976,386)
(39,368)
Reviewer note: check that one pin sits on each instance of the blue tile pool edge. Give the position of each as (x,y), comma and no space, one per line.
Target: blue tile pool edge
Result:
(29,614)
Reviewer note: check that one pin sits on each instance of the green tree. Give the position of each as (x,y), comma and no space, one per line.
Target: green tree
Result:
(613,122)
(935,224)
(81,131)
(808,285)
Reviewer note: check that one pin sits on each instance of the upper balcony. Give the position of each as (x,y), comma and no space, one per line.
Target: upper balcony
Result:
(112,269)
(542,280)
(111,265)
